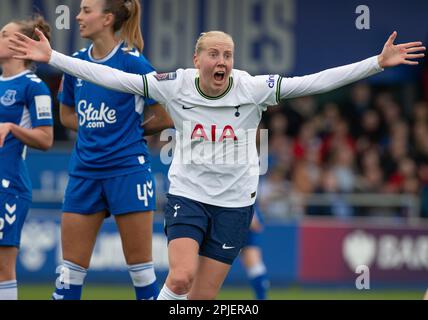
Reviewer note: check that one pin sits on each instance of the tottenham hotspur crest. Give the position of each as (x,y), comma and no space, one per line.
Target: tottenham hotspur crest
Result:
(9,98)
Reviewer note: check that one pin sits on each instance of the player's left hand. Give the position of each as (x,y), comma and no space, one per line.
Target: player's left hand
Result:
(4,131)
(395,54)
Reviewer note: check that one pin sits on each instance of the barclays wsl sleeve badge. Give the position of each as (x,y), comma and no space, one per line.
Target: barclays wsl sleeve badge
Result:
(166,76)
(9,98)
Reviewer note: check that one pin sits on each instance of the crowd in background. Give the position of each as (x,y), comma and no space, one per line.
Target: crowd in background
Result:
(368,143)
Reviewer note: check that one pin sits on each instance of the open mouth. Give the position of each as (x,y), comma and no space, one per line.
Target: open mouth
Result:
(219,75)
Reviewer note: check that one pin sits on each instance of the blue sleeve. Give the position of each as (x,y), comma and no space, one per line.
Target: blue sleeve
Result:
(66,90)
(39,102)
(140,65)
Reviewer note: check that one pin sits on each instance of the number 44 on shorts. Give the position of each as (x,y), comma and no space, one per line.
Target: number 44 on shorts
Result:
(1,228)
(145,191)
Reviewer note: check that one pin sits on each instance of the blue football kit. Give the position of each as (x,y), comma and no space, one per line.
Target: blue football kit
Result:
(25,100)
(110,164)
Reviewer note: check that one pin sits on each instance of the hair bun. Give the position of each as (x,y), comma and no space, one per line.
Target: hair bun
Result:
(40,23)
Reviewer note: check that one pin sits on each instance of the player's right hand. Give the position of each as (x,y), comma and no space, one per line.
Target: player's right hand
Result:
(29,49)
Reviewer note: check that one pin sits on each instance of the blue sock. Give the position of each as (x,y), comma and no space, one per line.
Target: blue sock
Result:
(259,280)
(260,286)
(144,280)
(70,282)
(69,292)
(149,292)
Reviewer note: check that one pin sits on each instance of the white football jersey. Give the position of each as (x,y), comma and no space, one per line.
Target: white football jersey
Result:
(215,159)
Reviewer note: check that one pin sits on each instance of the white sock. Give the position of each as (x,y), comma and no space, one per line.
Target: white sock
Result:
(72,273)
(256,270)
(167,294)
(142,274)
(9,290)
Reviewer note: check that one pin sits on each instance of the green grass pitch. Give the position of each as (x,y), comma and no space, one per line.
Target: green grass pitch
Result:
(111,292)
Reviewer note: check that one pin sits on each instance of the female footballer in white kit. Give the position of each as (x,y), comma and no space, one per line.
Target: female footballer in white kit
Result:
(214,174)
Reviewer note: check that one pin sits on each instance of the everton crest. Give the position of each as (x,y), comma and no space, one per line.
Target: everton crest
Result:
(9,98)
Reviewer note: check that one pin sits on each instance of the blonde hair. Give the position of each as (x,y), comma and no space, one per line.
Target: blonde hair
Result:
(200,43)
(127,20)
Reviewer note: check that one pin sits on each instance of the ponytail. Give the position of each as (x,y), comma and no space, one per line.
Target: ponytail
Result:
(127,15)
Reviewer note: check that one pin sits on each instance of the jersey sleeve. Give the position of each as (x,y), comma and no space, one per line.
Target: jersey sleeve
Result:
(66,90)
(39,102)
(329,79)
(264,89)
(138,64)
(99,74)
(162,86)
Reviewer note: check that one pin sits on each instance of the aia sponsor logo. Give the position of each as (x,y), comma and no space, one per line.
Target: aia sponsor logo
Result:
(212,134)
(213,144)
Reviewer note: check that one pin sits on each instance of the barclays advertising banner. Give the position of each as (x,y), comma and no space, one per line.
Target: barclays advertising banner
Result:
(290,37)
(331,252)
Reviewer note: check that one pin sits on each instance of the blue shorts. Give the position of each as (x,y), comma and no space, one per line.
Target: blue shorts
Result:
(221,232)
(118,195)
(254,237)
(13,211)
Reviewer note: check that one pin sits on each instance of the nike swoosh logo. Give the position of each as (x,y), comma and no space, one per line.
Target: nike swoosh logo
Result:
(188,108)
(226,247)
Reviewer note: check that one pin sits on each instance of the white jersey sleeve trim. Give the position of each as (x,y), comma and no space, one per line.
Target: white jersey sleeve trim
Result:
(328,80)
(99,74)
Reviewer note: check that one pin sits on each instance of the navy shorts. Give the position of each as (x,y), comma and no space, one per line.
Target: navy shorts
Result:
(118,195)
(13,211)
(221,232)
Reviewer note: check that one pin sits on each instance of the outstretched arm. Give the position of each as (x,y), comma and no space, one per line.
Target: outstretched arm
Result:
(392,55)
(99,74)
(41,51)
(329,79)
